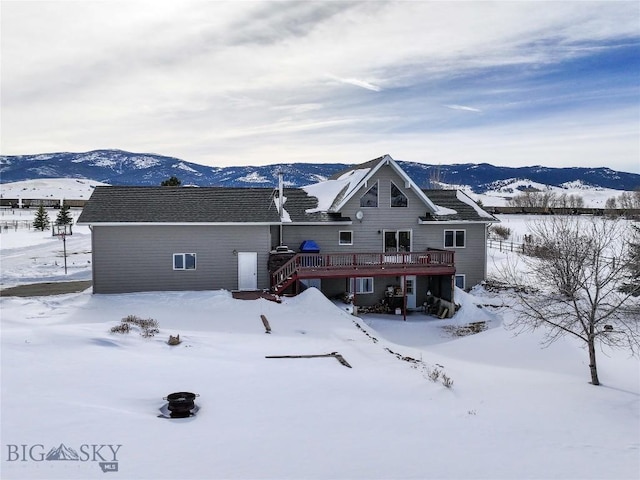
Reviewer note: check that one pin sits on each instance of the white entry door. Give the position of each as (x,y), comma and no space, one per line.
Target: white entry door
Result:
(410,285)
(247,270)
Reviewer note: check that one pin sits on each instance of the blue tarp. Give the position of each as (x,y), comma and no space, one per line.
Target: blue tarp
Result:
(309,246)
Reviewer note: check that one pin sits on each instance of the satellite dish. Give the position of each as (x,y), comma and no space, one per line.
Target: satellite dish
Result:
(359,215)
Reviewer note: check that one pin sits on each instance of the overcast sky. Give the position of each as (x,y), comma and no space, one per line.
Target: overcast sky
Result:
(252,83)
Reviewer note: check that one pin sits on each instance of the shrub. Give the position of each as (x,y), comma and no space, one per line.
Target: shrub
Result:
(434,374)
(148,326)
(500,231)
(122,328)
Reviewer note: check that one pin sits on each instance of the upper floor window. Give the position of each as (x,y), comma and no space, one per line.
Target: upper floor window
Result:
(370,198)
(345,237)
(454,238)
(184,261)
(398,199)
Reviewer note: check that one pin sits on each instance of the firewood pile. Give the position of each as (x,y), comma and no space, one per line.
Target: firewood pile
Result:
(377,308)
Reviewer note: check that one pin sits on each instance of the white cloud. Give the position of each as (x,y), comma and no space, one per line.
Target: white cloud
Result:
(356,82)
(190,79)
(463,107)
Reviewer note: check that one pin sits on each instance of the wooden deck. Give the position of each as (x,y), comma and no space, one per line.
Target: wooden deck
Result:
(342,265)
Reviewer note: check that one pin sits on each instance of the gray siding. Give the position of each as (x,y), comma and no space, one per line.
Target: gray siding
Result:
(368,233)
(470,260)
(140,258)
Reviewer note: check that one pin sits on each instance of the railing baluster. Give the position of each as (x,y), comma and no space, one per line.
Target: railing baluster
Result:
(303,261)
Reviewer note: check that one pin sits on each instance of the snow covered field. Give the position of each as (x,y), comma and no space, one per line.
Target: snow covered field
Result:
(514,410)
(29,256)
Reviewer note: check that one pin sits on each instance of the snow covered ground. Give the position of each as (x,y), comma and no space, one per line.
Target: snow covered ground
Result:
(30,256)
(514,410)
(51,188)
(593,197)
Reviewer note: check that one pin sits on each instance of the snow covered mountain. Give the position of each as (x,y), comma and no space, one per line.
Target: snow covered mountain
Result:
(117,167)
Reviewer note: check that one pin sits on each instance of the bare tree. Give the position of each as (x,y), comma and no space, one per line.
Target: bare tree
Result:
(534,199)
(570,285)
(436,177)
(626,200)
(632,280)
(568,201)
(611,203)
(576,201)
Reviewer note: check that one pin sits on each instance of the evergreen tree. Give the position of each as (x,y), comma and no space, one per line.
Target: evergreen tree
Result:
(64,217)
(41,221)
(171,182)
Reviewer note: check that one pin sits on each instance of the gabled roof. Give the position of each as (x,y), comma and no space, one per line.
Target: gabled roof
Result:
(198,205)
(341,187)
(456,205)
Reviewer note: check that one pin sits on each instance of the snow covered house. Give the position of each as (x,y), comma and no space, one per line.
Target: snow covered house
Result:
(370,231)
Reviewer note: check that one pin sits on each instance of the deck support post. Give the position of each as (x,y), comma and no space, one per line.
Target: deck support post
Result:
(355,290)
(404,297)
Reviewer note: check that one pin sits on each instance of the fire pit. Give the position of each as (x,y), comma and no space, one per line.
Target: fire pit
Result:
(181,405)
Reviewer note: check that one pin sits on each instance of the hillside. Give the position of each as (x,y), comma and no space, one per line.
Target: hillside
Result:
(118,167)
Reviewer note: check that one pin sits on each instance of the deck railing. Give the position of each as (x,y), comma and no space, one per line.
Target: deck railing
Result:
(342,261)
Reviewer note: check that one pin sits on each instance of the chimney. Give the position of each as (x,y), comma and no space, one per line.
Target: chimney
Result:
(280,194)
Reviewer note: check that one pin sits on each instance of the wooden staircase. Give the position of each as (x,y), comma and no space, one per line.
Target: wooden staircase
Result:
(284,276)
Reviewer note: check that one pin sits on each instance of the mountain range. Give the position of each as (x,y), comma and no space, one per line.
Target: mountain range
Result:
(117,167)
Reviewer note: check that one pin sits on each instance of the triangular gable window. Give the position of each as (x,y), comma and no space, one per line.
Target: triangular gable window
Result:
(398,199)
(370,198)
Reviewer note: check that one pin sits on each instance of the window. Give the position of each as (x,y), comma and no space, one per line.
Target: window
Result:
(397,240)
(184,261)
(370,198)
(460,281)
(454,238)
(361,285)
(345,237)
(398,199)
(409,284)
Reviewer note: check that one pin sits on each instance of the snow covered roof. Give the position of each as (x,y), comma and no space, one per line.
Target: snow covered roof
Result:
(456,205)
(331,191)
(334,193)
(320,202)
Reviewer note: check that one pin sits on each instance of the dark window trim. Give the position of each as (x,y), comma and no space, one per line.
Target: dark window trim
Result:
(401,193)
(454,239)
(377,187)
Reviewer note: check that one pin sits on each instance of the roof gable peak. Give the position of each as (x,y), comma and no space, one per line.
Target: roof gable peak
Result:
(375,165)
